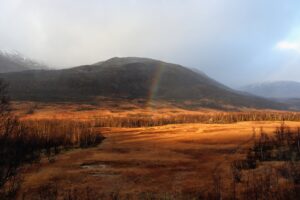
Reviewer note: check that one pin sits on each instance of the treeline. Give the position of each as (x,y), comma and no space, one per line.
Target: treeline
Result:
(212,118)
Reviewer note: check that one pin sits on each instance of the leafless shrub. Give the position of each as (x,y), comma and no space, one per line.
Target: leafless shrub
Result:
(267,181)
(31,109)
(4,100)
(217,187)
(25,142)
(219,118)
(48,192)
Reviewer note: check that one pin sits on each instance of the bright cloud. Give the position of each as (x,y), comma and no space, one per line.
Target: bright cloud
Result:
(286,45)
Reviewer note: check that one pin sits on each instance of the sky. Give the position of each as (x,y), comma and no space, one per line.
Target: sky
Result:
(236,42)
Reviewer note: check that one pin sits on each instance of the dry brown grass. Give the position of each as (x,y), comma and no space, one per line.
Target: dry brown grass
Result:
(134,115)
(26,142)
(162,150)
(171,159)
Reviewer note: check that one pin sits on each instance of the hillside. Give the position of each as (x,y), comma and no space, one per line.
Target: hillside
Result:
(12,61)
(276,89)
(130,78)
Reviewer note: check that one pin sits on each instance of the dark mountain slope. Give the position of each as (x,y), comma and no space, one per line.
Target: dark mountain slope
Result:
(130,78)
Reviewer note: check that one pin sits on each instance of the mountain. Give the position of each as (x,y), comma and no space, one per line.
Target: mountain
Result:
(212,80)
(293,103)
(130,78)
(13,61)
(277,89)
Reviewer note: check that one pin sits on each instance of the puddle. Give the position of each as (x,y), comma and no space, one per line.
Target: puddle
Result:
(98,170)
(98,165)
(93,166)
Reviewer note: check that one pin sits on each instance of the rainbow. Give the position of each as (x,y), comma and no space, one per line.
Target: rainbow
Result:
(159,70)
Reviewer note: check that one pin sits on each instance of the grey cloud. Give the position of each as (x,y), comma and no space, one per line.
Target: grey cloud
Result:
(231,40)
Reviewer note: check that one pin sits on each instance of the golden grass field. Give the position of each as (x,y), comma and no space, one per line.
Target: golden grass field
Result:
(175,158)
(107,108)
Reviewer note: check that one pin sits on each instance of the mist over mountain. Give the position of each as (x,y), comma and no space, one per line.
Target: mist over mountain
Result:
(276,89)
(130,78)
(13,61)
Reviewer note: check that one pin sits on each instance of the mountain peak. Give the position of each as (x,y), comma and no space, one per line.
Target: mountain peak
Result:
(126,60)
(13,61)
(9,52)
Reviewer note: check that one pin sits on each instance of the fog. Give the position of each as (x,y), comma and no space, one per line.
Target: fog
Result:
(236,42)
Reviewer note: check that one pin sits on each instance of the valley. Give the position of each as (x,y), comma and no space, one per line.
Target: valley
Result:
(149,100)
(138,128)
(153,160)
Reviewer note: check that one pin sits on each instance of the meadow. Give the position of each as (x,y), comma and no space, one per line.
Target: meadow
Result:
(186,161)
(228,155)
(81,151)
(132,114)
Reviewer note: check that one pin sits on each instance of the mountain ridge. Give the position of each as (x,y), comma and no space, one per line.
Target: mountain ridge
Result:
(131,78)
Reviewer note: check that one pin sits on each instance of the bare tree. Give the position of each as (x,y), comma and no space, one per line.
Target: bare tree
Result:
(4,100)
(26,142)
(15,148)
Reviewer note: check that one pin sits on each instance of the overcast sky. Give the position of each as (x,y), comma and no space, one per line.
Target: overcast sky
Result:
(234,41)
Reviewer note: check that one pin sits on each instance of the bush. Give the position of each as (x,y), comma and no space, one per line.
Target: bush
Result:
(23,142)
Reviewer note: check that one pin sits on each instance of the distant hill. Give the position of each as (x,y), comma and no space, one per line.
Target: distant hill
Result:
(277,89)
(130,78)
(293,103)
(13,61)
